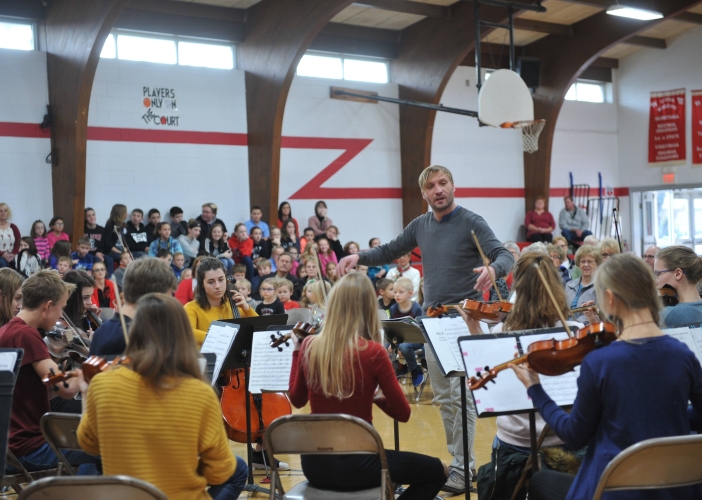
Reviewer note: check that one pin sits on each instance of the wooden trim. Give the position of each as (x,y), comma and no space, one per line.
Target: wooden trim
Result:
(689,17)
(175,24)
(27,9)
(409,7)
(542,27)
(352,31)
(605,62)
(353,98)
(226,14)
(647,41)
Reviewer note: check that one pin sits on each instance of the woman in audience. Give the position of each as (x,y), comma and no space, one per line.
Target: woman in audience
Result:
(27,261)
(581,291)
(616,386)
(189,242)
(38,234)
(289,238)
(61,249)
(562,243)
(9,236)
(285,214)
(319,222)
(111,242)
(608,247)
(163,383)
(216,246)
(104,292)
(539,222)
(344,380)
(679,267)
(326,255)
(10,294)
(56,224)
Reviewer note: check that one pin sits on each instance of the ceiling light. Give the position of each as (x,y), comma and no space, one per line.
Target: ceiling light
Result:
(633,13)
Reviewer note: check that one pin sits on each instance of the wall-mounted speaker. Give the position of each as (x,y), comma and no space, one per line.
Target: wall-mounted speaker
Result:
(529,69)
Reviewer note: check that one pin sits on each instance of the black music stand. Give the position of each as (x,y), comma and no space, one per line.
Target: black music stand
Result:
(7,386)
(239,356)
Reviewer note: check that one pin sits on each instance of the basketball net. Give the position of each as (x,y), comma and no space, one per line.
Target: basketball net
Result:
(531,130)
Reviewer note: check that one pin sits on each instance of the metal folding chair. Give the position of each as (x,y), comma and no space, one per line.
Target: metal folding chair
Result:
(59,430)
(94,487)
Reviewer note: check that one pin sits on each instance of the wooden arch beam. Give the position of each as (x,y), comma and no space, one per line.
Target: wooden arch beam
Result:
(75,33)
(278,34)
(562,62)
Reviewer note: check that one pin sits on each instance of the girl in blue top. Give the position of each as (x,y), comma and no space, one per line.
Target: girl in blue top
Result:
(679,267)
(636,388)
(164,240)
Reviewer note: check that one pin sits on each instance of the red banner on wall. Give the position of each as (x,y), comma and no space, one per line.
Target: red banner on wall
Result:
(666,128)
(696,127)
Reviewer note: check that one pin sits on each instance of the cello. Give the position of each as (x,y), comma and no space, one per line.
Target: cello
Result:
(263,408)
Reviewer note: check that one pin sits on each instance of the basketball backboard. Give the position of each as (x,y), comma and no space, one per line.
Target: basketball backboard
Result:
(503,98)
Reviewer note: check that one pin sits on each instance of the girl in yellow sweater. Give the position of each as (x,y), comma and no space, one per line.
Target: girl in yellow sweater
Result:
(211,302)
(157,419)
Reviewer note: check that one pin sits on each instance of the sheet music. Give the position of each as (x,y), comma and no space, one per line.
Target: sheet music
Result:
(561,389)
(219,341)
(507,393)
(7,361)
(687,337)
(444,333)
(270,368)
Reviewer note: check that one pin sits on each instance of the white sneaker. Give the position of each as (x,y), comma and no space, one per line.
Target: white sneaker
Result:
(257,462)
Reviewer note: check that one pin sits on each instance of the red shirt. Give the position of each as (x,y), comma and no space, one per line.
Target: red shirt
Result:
(291,304)
(184,292)
(543,220)
(240,248)
(372,368)
(105,298)
(30,399)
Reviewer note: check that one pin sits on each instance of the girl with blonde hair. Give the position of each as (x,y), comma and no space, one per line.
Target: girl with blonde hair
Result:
(340,371)
(680,268)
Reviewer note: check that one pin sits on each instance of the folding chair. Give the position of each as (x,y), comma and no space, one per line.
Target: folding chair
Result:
(15,481)
(98,487)
(59,430)
(296,315)
(320,435)
(652,464)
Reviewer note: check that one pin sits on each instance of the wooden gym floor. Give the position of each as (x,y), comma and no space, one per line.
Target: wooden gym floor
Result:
(424,433)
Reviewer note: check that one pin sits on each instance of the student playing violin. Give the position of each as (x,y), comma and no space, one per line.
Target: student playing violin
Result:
(621,400)
(346,380)
(679,267)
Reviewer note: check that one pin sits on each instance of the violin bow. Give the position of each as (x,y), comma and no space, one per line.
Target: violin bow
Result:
(616,229)
(319,273)
(121,316)
(486,263)
(125,248)
(553,298)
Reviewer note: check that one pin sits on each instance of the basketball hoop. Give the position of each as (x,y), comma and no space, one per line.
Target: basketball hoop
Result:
(531,130)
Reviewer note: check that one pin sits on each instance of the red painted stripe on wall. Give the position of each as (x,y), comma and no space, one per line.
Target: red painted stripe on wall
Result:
(27,130)
(166,136)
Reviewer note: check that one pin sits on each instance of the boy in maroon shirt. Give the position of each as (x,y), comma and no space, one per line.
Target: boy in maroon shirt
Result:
(44,296)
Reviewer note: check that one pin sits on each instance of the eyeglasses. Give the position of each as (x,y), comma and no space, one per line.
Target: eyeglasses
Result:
(267,289)
(99,270)
(658,273)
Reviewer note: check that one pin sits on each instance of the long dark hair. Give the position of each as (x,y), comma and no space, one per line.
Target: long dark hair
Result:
(61,248)
(207,264)
(284,231)
(280,211)
(75,309)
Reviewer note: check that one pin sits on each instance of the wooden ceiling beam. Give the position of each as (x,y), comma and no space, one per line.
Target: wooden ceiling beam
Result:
(689,17)
(542,27)
(647,41)
(605,62)
(189,9)
(409,7)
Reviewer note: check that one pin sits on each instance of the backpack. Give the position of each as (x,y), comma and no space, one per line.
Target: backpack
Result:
(498,478)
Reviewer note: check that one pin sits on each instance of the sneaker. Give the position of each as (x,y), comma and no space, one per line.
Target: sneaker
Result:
(473,475)
(257,462)
(456,482)
(417,377)
(401,371)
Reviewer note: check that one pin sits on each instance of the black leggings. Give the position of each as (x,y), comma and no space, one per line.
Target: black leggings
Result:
(550,485)
(424,475)
(543,237)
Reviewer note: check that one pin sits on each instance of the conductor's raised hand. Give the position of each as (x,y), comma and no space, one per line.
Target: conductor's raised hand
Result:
(346,264)
(484,282)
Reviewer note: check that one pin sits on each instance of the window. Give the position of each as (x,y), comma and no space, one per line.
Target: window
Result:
(587,92)
(16,36)
(341,68)
(167,51)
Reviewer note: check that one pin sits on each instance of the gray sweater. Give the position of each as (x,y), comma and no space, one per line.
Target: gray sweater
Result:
(573,220)
(449,254)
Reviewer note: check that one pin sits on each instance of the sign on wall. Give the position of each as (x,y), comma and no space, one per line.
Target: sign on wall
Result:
(666,128)
(696,127)
(160,104)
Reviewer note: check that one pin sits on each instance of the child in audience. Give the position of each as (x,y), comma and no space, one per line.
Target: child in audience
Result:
(330,272)
(216,246)
(360,268)
(137,237)
(295,254)
(307,236)
(285,290)
(404,288)
(82,259)
(63,265)
(60,249)
(241,246)
(38,233)
(270,304)
(314,298)
(27,261)
(289,238)
(104,292)
(151,228)
(276,252)
(263,266)
(326,254)
(178,226)
(376,272)
(189,241)
(261,247)
(165,255)
(56,224)
(187,274)
(163,229)
(276,237)
(124,261)
(178,264)
(244,287)
(352,248)
(386,294)
(238,272)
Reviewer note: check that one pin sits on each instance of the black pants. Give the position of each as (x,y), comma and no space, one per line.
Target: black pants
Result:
(424,475)
(545,237)
(550,485)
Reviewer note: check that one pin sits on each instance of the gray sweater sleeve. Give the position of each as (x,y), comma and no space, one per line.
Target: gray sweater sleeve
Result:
(387,253)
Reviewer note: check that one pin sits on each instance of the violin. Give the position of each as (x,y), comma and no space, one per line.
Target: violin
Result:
(93,319)
(63,343)
(490,312)
(554,357)
(91,367)
(301,329)
(668,296)
(578,310)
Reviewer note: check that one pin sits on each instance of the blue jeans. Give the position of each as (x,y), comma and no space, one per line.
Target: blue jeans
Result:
(249,267)
(233,486)
(228,263)
(407,350)
(3,262)
(571,236)
(44,458)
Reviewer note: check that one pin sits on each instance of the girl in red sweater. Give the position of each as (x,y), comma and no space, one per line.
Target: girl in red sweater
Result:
(350,381)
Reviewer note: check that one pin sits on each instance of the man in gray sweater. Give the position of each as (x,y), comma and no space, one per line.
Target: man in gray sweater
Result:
(453,271)
(573,221)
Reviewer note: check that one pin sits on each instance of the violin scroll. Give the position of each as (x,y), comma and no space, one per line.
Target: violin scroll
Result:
(301,329)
